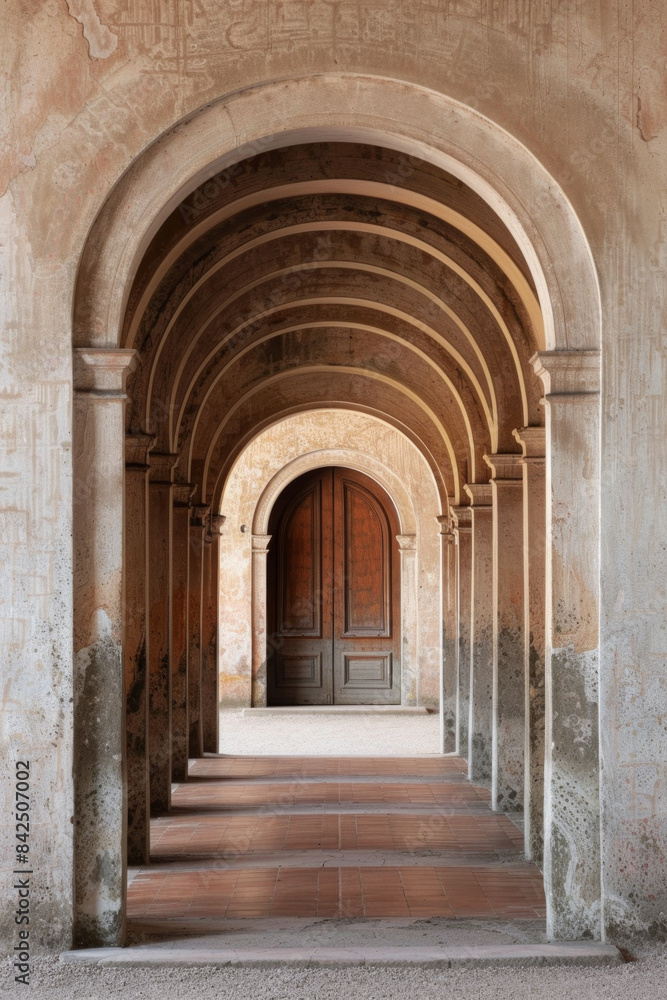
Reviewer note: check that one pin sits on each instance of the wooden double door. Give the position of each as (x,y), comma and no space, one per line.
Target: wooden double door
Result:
(333,600)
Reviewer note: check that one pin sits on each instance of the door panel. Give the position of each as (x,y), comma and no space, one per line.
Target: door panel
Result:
(299,612)
(367,670)
(298,671)
(367,557)
(366,654)
(300,565)
(333,599)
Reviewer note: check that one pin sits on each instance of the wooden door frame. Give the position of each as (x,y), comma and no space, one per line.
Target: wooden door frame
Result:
(407,546)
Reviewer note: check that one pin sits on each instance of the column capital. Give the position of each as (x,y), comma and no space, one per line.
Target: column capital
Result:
(137,447)
(214,524)
(462,517)
(217,521)
(407,543)
(533,441)
(101,373)
(445,522)
(162,465)
(260,543)
(568,373)
(199,514)
(481,494)
(183,494)
(508,466)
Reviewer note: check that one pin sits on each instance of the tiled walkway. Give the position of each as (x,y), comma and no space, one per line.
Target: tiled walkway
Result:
(333,837)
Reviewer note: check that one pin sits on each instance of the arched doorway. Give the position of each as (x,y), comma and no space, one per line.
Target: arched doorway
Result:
(273,458)
(333,593)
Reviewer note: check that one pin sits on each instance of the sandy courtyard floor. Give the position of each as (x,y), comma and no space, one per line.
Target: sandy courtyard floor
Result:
(645,979)
(336,735)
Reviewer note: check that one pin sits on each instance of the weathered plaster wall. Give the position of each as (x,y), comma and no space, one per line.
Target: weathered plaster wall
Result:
(317,433)
(93,83)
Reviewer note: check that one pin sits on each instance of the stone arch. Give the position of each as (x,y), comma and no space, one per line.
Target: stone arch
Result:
(419,544)
(375,377)
(345,457)
(423,123)
(501,170)
(284,413)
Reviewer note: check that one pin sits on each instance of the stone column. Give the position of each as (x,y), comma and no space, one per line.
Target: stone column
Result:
(135,646)
(260,550)
(210,671)
(572,774)
(159,627)
(198,528)
(533,442)
(509,718)
(462,517)
(182,494)
(99,708)
(480,725)
(407,548)
(449,645)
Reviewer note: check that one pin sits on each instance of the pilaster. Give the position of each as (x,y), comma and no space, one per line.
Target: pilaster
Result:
(572,860)
(462,520)
(407,551)
(480,724)
(508,635)
(160,480)
(260,551)
(135,645)
(449,646)
(533,442)
(210,670)
(198,531)
(182,494)
(99,737)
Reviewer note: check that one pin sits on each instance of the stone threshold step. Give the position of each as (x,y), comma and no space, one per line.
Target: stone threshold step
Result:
(326,756)
(348,808)
(453,778)
(333,859)
(519,955)
(336,710)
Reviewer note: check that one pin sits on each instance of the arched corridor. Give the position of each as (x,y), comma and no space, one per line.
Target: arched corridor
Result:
(242,243)
(351,274)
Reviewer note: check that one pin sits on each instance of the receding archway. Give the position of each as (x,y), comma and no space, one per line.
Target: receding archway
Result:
(273,459)
(500,170)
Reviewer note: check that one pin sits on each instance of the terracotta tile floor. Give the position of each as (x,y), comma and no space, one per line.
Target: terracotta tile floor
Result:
(263,767)
(233,835)
(216,795)
(207,853)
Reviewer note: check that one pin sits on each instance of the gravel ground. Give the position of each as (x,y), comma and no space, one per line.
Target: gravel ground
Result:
(644,979)
(337,735)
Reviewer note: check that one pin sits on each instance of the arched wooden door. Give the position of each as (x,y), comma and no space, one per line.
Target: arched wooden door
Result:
(333,593)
